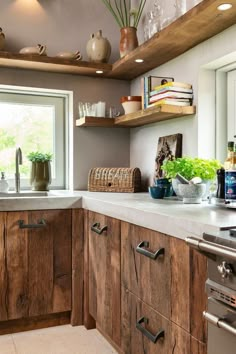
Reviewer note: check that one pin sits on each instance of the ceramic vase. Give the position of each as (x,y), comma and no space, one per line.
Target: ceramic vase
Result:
(2,39)
(40,177)
(128,40)
(98,48)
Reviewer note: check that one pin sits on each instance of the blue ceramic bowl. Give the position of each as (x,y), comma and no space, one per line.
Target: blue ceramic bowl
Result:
(157,192)
(164,182)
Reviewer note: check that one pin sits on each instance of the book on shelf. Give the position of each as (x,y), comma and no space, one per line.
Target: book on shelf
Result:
(171,88)
(170,94)
(174,84)
(170,101)
(147,85)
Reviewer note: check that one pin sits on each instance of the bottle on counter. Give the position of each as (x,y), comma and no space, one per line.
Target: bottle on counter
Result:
(4,186)
(220,192)
(230,173)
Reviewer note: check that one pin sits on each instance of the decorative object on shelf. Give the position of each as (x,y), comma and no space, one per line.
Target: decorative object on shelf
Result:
(40,176)
(131,104)
(37,50)
(169,147)
(153,19)
(2,39)
(128,20)
(114,179)
(70,55)
(98,48)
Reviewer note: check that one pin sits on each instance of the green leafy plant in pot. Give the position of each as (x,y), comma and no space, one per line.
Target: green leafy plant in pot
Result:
(190,167)
(40,175)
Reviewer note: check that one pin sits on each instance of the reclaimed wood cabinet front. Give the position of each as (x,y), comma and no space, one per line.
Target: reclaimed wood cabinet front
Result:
(35,262)
(104,274)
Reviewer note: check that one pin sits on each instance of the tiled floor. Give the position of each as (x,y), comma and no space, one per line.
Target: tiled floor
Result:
(56,340)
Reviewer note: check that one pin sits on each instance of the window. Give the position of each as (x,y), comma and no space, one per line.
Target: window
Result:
(33,121)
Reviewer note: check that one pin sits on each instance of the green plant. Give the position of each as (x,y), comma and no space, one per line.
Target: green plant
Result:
(124,15)
(36,156)
(190,167)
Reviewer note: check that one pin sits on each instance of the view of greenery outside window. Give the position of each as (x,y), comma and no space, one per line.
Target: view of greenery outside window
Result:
(33,124)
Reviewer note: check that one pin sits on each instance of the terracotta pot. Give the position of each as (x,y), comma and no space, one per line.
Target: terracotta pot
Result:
(40,177)
(128,40)
(98,48)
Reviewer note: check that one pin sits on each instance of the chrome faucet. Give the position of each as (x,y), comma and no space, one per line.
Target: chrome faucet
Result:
(17,174)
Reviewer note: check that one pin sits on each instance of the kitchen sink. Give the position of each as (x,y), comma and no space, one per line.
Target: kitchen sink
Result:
(24,194)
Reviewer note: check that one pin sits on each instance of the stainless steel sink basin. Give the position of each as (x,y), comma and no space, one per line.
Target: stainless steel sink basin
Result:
(24,194)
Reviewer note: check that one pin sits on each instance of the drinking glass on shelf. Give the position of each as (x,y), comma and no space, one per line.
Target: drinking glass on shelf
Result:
(81,110)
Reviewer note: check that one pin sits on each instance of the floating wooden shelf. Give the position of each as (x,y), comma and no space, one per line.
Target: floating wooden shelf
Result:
(198,24)
(95,122)
(195,26)
(142,117)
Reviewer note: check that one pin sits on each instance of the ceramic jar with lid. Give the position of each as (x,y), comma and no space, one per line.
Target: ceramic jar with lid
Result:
(98,48)
(2,39)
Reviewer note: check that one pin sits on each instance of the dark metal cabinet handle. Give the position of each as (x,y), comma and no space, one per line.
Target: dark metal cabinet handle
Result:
(41,223)
(140,249)
(149,335)
(96,228)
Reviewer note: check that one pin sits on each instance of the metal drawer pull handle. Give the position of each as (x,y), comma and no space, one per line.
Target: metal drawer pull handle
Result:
(41,223)
(140,249)
(96,228)
(210,247)
(218,322)
(149,335)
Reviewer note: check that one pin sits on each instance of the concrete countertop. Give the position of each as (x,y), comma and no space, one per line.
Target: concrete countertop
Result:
(168,216)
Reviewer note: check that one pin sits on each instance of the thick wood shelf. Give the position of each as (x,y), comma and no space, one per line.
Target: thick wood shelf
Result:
(195,26)
(95,122)
(198,24)
(52,64)
(142,117)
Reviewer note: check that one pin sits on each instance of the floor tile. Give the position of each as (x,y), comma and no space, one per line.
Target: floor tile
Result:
(7,345)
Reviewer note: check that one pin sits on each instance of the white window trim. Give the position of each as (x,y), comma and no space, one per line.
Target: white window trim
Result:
(68,100)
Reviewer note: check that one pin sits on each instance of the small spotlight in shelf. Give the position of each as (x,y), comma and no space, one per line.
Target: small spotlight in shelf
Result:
(99,72)
(224,7)
(139,60)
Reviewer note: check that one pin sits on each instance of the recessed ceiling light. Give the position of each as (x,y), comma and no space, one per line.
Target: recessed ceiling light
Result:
(139,60)
(99,72)
(224,7)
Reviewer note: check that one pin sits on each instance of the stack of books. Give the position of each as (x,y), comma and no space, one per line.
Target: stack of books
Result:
(173,93)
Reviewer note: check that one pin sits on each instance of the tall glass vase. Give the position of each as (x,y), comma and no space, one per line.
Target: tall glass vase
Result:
(128,40)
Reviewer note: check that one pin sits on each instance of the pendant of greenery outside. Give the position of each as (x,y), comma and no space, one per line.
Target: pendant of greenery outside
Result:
(40,175)
(127,19)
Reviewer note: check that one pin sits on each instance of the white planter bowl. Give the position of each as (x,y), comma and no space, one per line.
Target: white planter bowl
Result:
(192,193)
(131,104)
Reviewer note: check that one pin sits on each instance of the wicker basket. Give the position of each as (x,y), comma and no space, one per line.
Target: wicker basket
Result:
(114,179)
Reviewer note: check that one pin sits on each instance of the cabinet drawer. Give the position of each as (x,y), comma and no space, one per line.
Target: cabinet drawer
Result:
(146,277)
(135,333)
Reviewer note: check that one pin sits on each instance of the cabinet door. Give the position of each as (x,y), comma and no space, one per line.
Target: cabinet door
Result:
(138,336)
(147,278)
(38,263)
(104,274)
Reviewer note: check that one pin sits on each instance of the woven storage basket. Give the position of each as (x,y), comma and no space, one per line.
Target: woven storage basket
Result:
(114,179)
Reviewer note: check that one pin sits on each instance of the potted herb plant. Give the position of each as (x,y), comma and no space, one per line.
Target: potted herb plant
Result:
(40,176)
(190,167)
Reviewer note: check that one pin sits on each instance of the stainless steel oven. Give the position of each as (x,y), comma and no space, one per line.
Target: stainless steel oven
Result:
(221,289)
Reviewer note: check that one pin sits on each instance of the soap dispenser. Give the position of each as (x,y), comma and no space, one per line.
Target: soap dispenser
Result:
(4,186)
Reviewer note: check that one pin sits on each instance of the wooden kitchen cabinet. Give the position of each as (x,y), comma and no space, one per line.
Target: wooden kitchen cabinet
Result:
(35,262)
(104,274)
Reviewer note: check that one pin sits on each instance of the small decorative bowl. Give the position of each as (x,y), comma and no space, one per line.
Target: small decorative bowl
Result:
(157,192)
(192,193)
(131,104)
(164,182)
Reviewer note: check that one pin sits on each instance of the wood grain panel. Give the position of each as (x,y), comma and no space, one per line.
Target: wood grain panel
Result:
(17,266)
(198,297)
(77,266)
(176,340)
(180,283)
(3,269)
(198,347)
(149,279)
(104,275)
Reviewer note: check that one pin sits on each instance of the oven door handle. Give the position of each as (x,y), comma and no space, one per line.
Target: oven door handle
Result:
(210,247)
(219,322)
